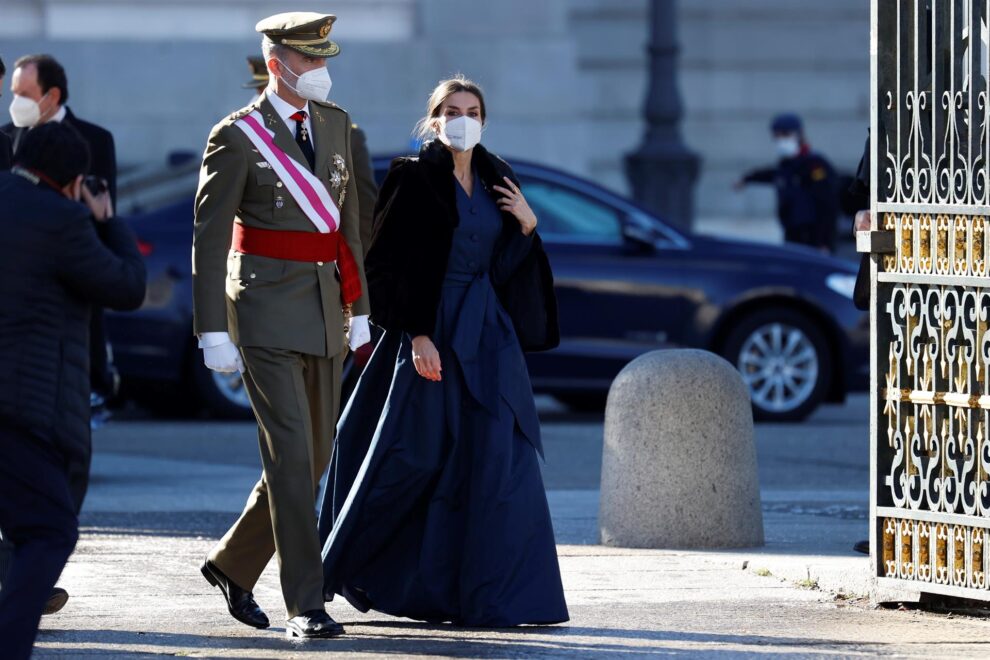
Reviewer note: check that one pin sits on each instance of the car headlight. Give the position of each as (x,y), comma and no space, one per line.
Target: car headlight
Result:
(842,283)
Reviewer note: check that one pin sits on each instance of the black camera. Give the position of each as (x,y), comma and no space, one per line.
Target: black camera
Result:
(96,185)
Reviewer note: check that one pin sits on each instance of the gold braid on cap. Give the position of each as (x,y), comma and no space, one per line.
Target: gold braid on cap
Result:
(304,42)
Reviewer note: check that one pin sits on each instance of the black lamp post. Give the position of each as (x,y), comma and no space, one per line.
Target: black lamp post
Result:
(663,171)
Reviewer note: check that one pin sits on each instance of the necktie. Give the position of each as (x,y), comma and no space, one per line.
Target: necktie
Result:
(303,139)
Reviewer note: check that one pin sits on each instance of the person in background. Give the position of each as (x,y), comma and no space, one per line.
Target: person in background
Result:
(806,185)
(259,76)
(856,203)
(6,146)
(41,91)
(59,259)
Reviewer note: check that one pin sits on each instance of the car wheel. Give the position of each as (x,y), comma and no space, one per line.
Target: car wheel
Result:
(223,395)
(785,361)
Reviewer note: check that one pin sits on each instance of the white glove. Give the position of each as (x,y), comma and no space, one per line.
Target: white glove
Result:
(219,353)
(359,333)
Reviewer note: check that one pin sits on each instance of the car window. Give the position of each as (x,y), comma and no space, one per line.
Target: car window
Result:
(567,215)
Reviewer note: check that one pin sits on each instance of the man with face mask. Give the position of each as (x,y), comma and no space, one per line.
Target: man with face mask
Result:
(59,258)
(806,185)
(278,293)
(40,92)
(367,188)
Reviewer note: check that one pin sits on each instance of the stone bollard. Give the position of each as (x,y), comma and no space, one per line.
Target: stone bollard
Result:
(679,461)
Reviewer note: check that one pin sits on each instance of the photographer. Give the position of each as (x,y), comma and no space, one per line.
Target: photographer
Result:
(58,260)
(40,88)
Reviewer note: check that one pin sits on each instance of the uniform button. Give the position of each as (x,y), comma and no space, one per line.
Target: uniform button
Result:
(473,264)
(319,263)
(474,237)
(474,211)
(253,276)
(278,185)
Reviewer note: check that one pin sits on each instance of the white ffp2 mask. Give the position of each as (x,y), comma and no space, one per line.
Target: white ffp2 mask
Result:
(25,112)
(461,133)
(312,85)
(788,147)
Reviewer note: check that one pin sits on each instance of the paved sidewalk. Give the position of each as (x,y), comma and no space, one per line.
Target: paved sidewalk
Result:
(162,492)
(139,594)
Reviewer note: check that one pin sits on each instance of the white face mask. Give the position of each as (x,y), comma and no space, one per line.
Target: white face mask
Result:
(25,112)
(313,85)
(461,133)
(788,147)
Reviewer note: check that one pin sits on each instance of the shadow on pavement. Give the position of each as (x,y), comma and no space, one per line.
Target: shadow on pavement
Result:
(400,638)
(157,523)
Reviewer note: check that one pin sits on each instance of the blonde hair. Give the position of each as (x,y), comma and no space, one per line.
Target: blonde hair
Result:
(443,91)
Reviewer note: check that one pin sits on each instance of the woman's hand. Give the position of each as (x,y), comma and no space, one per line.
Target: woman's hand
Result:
(513,202)
(426,359)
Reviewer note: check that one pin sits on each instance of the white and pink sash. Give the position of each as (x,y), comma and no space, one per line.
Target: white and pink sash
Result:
(309,192)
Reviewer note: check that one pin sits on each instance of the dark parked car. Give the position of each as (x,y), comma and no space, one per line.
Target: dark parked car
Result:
(626,282)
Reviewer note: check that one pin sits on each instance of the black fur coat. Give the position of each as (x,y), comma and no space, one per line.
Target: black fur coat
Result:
(415,219)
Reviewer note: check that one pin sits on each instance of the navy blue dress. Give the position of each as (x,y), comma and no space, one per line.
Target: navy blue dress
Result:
(435,507)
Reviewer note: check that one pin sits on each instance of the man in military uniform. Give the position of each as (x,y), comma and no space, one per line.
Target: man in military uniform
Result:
(806,185)
(367,189)
(364,171)
(269,301)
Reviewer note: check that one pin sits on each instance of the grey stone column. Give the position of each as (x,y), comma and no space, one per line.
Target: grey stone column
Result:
(663,171)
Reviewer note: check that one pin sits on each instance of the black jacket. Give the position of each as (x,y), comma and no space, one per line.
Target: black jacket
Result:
(54,265)
(6,152)
(806,190)
(415,219)
(857,198)
(102,152)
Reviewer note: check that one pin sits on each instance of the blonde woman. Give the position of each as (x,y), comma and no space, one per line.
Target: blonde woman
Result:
(435,507)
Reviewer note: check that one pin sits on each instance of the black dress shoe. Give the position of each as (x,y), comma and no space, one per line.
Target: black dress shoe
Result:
(862,546)
(240,603)
(315,624)
(56,601)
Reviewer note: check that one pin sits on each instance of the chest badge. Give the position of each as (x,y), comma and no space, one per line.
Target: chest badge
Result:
(339,176)
(279,202)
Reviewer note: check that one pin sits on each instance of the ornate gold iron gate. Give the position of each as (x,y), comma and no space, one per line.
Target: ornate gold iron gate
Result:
(930,499)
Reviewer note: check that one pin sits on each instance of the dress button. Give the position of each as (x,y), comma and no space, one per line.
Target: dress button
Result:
(253,276)
(319,263)
(278,185)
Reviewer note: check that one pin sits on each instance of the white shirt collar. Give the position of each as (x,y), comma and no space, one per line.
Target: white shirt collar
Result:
(284,108)
(60,115)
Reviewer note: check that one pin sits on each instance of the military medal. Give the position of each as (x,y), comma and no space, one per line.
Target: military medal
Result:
(339,177)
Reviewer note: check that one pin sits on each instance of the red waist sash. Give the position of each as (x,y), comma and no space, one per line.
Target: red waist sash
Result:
(306,246)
